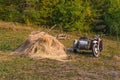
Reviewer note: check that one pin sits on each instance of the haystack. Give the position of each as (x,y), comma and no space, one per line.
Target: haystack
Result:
(42,45)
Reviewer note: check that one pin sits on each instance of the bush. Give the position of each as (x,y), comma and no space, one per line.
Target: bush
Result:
(71,15)
(81,15)
(112,17)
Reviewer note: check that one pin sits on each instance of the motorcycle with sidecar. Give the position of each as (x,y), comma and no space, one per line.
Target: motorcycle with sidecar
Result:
(84,43)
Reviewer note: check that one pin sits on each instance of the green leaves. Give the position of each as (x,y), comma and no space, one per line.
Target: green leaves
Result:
(112,17)
(70,14)
(81,15)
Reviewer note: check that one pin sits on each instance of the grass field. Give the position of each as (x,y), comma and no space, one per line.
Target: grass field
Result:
(81,66)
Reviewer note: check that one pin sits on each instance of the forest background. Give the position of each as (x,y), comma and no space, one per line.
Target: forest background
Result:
(69,15)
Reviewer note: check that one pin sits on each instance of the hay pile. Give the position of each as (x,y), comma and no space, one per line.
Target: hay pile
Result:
(41,45)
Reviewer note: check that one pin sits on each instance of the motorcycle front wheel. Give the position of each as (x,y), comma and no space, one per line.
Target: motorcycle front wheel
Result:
(95,50)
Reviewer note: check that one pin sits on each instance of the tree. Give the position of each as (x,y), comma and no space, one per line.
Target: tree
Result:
(100,8)
(70,15)
(112,17)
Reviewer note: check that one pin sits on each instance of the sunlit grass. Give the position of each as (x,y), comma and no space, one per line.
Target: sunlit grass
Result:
(9,40)
(82,65)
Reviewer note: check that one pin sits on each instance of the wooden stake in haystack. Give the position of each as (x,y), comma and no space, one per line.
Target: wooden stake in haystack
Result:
(42,45)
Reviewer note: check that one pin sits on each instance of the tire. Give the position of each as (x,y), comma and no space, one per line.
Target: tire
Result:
(101,46)
(75,50)
(75,45)
(95,50)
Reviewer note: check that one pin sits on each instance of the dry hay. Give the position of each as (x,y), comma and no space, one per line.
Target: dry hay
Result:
(41,45)
(62,36)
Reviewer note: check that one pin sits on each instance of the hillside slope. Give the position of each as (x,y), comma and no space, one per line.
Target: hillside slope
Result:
(81,66)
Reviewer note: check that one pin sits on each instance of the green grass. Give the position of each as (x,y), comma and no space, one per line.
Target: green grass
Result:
(9,40)
(82,65)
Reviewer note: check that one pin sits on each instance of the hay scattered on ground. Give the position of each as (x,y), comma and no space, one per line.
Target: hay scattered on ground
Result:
(42,45)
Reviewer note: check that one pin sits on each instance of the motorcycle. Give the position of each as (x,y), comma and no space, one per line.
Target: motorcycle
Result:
(96,45)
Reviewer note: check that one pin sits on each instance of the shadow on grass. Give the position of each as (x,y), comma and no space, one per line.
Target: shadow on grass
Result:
(85,53)
(78,54)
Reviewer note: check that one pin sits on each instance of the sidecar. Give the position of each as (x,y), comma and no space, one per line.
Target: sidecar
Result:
(83,44)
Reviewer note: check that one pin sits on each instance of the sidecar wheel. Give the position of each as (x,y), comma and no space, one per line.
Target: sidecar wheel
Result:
(95,50)
(75,45)
(75,50)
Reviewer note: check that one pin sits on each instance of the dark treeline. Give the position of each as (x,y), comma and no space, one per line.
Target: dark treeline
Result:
(81,15)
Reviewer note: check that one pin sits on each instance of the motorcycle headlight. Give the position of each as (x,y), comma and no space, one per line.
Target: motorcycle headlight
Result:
(95,42)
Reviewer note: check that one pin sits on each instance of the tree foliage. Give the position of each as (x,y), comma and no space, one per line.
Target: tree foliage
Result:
(81,15)
(112,17)
(72,15)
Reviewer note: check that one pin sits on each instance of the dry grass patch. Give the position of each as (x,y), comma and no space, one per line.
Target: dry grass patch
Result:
(14,26)
(5,56)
